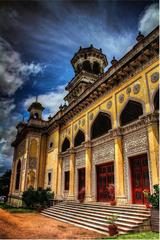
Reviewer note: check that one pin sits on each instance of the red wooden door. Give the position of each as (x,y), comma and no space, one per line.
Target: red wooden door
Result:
(81,183)
(105,182)
(140,178)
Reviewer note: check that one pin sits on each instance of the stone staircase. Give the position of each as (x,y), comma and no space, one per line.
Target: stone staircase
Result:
(131,218)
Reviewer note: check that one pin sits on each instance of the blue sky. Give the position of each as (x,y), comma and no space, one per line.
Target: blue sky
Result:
(38,40)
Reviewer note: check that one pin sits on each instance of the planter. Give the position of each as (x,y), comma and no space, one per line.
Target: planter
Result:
(155,220)
(112,229)
(113,202)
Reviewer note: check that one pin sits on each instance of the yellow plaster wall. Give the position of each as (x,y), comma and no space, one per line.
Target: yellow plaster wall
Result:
(52,159)
(110,104)
(147,89)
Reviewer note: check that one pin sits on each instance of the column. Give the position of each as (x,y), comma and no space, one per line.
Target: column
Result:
(11,189)
(153,150)
(71,195)
(119,171)
(88,172)
(59,190)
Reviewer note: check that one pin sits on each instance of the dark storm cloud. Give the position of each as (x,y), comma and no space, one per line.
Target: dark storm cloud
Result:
(42,37)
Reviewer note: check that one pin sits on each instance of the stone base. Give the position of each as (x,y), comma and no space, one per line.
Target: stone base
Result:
(59,197)
(71,198)
(121,200)
(88,199)
(15,201)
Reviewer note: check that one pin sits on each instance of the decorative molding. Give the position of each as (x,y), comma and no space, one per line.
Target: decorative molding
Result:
(109,104)
(128,90)
(121,98)
(155,77)
(136,88)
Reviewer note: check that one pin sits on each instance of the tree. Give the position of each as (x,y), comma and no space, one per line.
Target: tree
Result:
(5,183)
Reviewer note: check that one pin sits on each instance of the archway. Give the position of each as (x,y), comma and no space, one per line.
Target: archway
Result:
(156,101)
(132,111)
(18,174)
(65,145)
(87,66)
(79,138)
(96,68)
(101,125)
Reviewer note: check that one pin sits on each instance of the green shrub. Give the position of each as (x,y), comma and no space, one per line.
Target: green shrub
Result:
(154,197)
(37,198)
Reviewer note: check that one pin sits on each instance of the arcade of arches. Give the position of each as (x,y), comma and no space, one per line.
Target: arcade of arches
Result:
(103,146)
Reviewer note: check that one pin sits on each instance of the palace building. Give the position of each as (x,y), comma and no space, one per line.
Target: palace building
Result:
(103,143)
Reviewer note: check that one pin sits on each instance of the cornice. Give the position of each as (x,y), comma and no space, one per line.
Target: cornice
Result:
(141,55)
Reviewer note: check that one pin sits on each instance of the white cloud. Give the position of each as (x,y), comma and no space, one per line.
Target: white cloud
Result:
(149,19)
(13,71)
(51,100)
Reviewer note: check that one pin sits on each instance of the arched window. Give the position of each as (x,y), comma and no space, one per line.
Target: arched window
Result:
(79,67)
(156,101)
(65,145)
(101,125)
(18,174)
(87,66)
(79,138)
(132,111)
(96,68)
(36,115)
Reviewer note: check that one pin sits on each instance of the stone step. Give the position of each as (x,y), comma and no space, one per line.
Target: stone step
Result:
(86,222)
(79,224)
(119,222)
(93,216)
(106,210)
(132,219)
(142,210)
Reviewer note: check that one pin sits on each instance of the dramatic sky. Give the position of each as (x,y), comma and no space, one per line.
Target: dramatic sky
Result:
(38,40)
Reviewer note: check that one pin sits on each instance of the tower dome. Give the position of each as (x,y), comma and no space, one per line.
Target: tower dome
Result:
(36,110)
(89,59)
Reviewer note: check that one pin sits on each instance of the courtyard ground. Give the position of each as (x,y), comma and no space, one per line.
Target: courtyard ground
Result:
(34,225)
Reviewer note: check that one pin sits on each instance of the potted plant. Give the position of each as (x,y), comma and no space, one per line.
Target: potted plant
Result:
(81,195)
(111,191)
(153,199)
(112,227)
(113,202)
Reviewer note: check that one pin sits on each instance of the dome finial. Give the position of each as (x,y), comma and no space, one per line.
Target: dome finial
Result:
(114,61)
(140,36)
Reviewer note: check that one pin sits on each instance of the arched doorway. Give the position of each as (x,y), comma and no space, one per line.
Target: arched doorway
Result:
(101,125)
(18,174)
(132,111)
(65,145)
(79,138)
(156,101)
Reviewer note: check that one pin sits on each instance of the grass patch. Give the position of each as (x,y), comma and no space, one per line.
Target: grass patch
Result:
(12,209)
(141,235)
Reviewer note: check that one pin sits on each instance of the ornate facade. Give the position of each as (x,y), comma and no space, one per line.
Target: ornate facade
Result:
(103,144)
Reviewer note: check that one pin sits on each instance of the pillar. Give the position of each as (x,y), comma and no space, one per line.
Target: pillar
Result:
(153,151)
(119,171)
(71,195)
(59,190)
(88,173)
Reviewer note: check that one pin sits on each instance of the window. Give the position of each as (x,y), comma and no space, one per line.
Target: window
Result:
(79,139)
(96,68)
(36,115)
(65,145)
(18,174)
(87,66)
(66,181)
(49,178)
(50,144)
(101,125)
(156,101)
(132,111)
